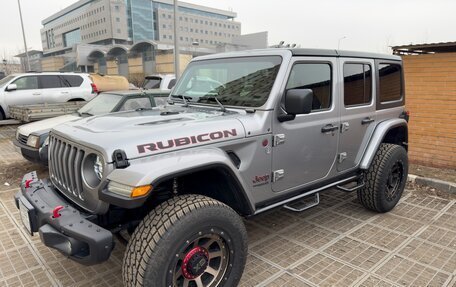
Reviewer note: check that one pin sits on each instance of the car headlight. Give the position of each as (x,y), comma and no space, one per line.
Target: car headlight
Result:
(33,141)
(98,168)
(92,169)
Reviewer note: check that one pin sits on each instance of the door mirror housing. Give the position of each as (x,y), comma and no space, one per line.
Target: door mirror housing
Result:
(11,87)
(297,102)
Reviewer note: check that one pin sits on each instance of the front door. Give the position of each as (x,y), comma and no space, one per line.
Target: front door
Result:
(27,92)
(309,146)
(357,111)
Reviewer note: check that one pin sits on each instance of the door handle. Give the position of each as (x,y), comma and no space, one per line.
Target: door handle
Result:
(36,94)
(64,92)
(329,128)
(367,121)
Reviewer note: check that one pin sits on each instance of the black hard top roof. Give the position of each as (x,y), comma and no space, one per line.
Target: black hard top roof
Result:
(342,53)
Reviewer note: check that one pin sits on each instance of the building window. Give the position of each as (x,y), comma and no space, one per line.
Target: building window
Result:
(164,15)
(118,31)
(117,8)
(181,38)
(196,30)
(169,16)
(201,21)
(186,19)
(117,19)
(164,26)
(164,36)
(180,18)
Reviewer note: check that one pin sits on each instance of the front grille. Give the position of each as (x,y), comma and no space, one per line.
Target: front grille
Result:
(65,161)
(22,139)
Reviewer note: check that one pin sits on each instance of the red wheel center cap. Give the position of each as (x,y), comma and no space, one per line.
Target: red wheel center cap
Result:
(195,262)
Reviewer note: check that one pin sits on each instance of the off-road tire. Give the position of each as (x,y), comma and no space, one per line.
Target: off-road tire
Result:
(154,245)
(2,114)
(374,195)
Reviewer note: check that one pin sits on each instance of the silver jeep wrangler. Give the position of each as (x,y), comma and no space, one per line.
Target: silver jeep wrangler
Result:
(242,133)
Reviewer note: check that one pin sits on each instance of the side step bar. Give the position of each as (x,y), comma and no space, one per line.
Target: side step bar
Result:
(350,189)
(304,203)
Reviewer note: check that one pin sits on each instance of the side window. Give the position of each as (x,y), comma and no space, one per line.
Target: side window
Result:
(136,103)
(357,84)
(72,81)
(316,77)
(51,82)
(27,83)
(390,83)
(171,84)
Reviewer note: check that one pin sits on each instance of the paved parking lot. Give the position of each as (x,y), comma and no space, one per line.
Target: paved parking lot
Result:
(337,243)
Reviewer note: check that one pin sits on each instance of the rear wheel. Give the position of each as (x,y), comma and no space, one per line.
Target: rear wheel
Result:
(187,241)
(385,179)
(2,114)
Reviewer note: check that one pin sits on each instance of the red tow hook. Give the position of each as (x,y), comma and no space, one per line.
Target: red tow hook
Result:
(55,211)
(27,183)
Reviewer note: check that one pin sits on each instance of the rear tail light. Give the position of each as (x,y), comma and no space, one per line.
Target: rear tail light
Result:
(94,88)
(405,115)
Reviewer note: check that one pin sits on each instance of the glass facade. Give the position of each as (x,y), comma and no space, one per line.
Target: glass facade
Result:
(72,37)
(140,20)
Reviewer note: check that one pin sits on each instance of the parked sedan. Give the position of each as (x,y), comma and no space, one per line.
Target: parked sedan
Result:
(31,138)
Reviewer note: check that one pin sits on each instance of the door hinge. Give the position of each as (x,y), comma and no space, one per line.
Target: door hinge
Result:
(278,139)
(341,157)
(345,126)
(277,175)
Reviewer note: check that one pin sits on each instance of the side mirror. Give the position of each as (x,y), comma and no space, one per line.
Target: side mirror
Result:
(11,87)
(297,102)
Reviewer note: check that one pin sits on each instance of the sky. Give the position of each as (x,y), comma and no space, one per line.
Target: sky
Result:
(362,25)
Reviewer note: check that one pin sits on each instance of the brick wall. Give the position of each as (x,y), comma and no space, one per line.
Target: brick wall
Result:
(431,99)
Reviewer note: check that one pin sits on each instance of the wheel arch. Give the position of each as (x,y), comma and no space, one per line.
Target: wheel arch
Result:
(76,100)
(394,131)
(208,172)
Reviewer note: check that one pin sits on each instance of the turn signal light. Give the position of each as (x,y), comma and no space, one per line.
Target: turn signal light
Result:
(140,190)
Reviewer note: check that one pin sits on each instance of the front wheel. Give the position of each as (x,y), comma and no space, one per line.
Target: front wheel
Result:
(187,241)
(385,179)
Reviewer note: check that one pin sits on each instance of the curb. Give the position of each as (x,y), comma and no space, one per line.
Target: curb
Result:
(434,183)
(9,122)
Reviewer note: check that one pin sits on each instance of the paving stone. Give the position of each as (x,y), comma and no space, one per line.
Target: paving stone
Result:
(6,223)
(10,239)
(288,280)
(281,251)
(447,220)
(379,236)
(356,252)
(255,232)
(415,212)
(31,278)
(398,224)
(428,202)
(325,271)
(440,236)
(310,234)
(406,272)
(356,211)
(256,271)
(335,221)
(275,220)
(434,256)
(374,281)
(16,261)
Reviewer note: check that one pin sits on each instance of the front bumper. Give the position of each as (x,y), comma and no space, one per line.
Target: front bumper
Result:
(31,154)
(73,233)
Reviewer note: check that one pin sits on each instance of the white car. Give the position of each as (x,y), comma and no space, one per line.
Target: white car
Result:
(46,87)
(163,82)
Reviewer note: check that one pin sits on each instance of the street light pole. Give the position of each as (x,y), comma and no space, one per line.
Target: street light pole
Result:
(23,35)
(176,43)
(338,43)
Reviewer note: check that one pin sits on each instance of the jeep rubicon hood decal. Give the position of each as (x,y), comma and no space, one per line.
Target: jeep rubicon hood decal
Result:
(144,133)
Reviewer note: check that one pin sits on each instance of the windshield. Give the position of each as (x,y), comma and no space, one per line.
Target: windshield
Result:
(152,83)
(5,80)
(244,82)
(102,104)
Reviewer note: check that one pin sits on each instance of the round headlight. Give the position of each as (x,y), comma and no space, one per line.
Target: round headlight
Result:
(98,167)
(92,170)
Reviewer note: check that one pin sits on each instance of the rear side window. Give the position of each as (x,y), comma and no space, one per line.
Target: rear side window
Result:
(51,82)
(171,84)
(152,83)
(357,84)
(72,80)
(316,77)
(390,82)
(27,83)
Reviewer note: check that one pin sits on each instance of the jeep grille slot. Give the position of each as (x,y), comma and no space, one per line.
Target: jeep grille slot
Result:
(65,163)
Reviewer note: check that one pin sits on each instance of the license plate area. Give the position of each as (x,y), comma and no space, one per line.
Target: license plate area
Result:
(25,209)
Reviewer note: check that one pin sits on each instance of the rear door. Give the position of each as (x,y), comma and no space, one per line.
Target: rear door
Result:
(54,89)
(78,87)
(357,110)
(27,92)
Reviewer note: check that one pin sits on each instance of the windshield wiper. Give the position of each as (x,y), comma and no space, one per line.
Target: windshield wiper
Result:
(222,107)
(84,114)
(184,98)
